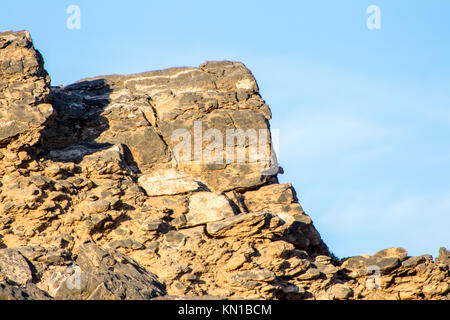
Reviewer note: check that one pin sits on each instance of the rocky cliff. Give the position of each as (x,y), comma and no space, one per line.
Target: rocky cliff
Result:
(164,184)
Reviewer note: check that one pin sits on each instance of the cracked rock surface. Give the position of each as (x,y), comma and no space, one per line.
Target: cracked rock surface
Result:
(95,203)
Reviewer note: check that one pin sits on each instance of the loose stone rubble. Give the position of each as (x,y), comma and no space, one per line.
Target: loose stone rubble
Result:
(95,203)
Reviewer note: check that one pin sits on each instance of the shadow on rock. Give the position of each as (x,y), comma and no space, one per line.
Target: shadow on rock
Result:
(77,122)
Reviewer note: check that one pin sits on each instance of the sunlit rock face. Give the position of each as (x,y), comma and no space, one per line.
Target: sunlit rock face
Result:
(24,90)
(163,184)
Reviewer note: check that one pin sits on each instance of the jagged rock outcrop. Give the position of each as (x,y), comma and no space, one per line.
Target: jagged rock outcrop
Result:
(132,187)
(145,111)
(24,90)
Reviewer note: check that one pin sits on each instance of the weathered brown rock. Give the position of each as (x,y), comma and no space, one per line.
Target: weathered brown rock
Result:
(24,89)
(30,292)
(14,267)
(96,204)
(167,182)
(144,111)
(106,274)
(207,207)
(244,225)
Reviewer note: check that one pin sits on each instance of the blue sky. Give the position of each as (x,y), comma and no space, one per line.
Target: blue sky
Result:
(363,115)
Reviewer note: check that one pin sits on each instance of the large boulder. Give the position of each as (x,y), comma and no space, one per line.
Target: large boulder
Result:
(102,274)
(180,117)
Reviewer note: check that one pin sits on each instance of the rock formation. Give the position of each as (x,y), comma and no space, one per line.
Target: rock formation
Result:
(131,187)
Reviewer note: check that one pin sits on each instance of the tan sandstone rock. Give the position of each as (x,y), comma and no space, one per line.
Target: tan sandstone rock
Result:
(96,203)
(167,182)
(207,207)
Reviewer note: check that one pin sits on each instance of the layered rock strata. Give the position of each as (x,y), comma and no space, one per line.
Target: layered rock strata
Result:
(159,184)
